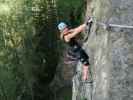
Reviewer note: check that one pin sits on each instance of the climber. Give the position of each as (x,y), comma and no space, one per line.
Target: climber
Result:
(68,35)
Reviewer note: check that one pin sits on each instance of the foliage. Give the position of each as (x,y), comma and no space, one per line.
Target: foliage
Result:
(71,11)
(29,50)
(15,64)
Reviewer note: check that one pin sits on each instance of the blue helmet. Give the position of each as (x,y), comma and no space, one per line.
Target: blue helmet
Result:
(62,26)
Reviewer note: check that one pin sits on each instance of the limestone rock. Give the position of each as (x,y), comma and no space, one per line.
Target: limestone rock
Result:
(111,54)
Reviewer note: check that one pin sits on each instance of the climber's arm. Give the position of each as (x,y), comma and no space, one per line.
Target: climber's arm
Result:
(75,31)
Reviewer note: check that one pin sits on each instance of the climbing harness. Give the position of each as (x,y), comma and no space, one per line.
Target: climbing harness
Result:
(70,59)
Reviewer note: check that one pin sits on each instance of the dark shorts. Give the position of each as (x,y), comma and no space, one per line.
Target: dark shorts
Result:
(81,55)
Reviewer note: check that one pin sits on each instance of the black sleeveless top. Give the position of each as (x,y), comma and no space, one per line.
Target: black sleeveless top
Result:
(74,45)
(76,51)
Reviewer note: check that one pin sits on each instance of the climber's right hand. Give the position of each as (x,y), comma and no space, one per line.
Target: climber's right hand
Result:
(89,20)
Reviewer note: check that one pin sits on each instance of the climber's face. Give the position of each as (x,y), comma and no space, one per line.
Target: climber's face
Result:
(65,31)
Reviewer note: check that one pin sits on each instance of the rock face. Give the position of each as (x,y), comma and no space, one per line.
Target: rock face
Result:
(111,53)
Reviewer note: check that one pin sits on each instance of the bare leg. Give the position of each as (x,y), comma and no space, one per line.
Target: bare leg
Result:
(85,72)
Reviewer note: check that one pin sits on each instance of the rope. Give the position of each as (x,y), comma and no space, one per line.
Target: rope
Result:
(114,25)
(108,25)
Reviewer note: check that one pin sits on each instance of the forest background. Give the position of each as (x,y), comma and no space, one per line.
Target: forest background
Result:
(30,48)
